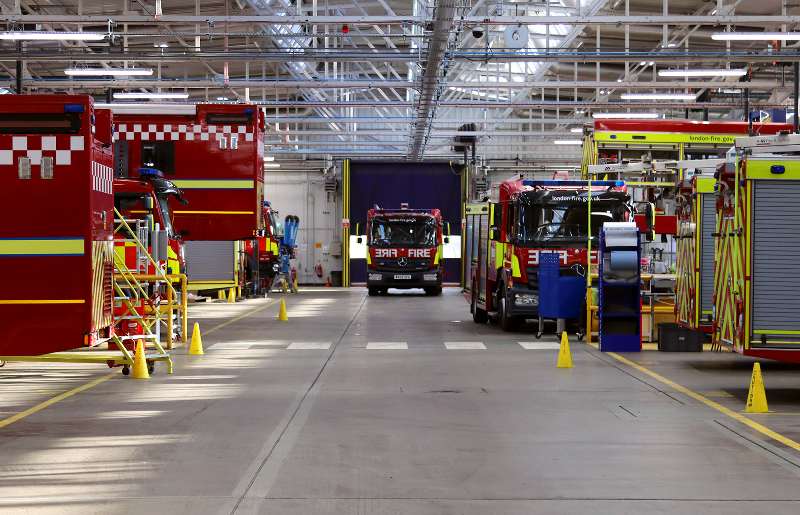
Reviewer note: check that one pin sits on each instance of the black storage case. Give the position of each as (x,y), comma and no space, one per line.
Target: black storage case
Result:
(674,338)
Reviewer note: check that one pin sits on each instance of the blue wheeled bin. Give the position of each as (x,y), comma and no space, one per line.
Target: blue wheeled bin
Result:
(560,297)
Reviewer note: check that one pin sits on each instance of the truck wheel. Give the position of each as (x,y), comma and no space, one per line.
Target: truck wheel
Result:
(507,323)
(432,292)
(373,292)
(479,316)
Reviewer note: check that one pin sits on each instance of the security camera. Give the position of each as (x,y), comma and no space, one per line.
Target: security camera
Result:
(477,32)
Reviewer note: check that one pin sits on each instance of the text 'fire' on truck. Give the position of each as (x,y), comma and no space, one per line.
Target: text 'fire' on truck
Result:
(404,250)
(506,237)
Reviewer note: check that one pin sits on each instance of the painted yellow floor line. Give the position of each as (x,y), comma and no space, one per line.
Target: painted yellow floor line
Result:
(752,424)
(58,398)
(243,315)
(94,382)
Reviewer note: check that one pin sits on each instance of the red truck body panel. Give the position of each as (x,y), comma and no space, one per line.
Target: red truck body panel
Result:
(689,126)
(216,156)
(56,242)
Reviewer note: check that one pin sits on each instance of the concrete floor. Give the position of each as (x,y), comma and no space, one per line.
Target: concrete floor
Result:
(360,424)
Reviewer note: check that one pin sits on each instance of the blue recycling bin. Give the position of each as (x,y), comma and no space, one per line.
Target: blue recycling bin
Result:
(559,296)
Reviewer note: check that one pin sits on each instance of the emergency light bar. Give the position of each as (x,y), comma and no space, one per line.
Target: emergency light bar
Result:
(613,184)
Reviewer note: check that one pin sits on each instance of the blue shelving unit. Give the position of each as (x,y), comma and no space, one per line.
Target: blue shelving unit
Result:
(620,306)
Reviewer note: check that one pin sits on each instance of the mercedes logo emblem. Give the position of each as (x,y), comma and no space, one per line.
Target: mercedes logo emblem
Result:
(402,261)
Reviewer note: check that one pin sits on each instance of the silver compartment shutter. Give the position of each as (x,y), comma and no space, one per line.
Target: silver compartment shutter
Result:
(210,260)
(708,227)
(776,256)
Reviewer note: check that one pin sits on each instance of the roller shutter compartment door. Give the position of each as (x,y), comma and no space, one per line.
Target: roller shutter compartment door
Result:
(210,260)
(775,286)
(708,226)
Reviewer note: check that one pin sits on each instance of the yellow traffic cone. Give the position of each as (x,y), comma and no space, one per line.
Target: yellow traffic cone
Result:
(139,362)
(220,294)
(756,397)
(232,296)
(282,316)
(564,356)
(196,347)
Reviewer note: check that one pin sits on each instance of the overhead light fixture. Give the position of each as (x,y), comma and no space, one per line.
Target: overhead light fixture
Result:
(269,158)
(704,72)
(658,96)
(100,72)
(40,35)
(669,45)
(147,96)
(576,130)
(639,116)
(568,142)
(222,99)
(756,36)
(272,165)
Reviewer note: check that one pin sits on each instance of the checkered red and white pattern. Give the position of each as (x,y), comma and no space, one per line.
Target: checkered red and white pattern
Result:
(60,147)
(102,178)
(177,132)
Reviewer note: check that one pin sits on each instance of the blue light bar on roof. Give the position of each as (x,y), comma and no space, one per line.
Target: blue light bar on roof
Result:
(528,182)
(73,108)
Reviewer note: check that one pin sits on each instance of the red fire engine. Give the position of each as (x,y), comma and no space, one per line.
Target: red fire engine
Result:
(505,238)
(213,152)
(263,252)
(404,250)
(56,184)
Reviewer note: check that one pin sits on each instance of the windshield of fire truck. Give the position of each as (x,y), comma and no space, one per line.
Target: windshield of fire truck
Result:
(403,232)
(133,205)
(567,221)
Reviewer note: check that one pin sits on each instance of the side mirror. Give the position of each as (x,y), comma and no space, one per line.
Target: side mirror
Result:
(360,240)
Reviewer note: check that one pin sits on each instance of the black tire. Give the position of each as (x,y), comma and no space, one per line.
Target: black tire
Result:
(151,367)
(507,323)
(373,292)
(126,370)
(434,291)
(479,316)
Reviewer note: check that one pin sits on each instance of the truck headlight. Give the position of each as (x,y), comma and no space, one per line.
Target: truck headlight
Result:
(375,277)
(526,299)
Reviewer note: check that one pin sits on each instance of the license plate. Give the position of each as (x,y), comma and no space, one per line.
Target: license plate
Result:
(402,276)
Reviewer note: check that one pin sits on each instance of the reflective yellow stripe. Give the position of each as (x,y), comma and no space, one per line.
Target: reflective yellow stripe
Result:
(274,247)
(211,184)
(43,301)
(515,272)
(42,247)
(500,254)
(775,331)
(646,138)
(369,258)
(705,184)
(214,212)
(762,169)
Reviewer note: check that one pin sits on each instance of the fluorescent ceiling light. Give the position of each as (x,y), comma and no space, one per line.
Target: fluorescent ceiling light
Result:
(269,158)
(640,116)
(576,130)
(568,142)
(145,96)
(658,96)
(756,36)
(698,72)
(24,35)
(272,165)
(100,72)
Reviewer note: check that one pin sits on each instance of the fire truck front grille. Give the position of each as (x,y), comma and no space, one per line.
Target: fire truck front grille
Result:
(411,265)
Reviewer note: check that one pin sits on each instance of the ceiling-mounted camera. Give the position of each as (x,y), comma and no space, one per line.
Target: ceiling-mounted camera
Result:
(477,32)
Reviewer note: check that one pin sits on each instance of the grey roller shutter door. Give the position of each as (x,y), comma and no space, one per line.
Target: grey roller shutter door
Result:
(708,227)
(210,260)
(775,258)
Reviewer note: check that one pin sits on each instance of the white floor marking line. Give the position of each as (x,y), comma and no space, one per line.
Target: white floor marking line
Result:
(465,345)
(539,345)
(309,346)
(387,346)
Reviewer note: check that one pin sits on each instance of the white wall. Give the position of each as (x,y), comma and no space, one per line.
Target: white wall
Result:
(303,194)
